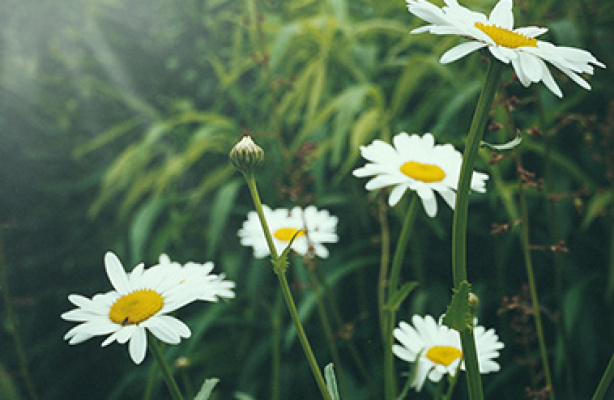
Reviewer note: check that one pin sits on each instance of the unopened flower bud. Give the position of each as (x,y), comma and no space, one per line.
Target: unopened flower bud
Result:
(246,155)
(182,362)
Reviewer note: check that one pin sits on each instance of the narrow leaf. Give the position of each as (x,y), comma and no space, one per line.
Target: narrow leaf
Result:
(331,382)
(207,388)
(505,146)
(397,298)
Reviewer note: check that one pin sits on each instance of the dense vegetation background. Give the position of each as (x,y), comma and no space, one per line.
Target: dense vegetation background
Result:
(116,118)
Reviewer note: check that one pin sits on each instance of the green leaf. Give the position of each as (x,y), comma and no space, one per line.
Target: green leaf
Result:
(282,262)
(598,203)
(397,298)
(502,147)
(206,389)
(223,204)
(331,382)
(458,315)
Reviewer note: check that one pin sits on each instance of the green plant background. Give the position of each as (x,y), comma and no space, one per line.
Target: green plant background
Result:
(116,118)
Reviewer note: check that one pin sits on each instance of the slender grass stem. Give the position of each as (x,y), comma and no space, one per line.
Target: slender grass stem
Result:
(285,288)
(276,347)
(156,351)
(605,381)
(528,262)
(390,384)
(384,263)
(311,359)
(459,231)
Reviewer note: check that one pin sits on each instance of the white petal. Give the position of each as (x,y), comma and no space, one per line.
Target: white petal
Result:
(428,201)
(396,194)
(502,15)
(532,66)
(116,273)
(460,51)
(551,84)
(403,353)
(522,77)
(422,370)
(381,181)
(138,345)
(449,197)
(501,54)
(531,31)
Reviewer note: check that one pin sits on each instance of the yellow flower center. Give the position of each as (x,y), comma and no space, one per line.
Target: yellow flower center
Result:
(443,355)
(423,172)
(286,234)
(505,37)
(136,307)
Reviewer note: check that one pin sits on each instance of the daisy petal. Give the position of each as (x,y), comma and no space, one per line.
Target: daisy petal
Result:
(460,51)
(116,273)
(138,346)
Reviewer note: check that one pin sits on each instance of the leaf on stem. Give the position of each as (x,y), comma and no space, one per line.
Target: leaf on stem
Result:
(397,298)
(458,314)
(502,147)
(281,264)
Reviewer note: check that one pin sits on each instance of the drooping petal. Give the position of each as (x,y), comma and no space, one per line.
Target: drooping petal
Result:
(460,51)
(138,345)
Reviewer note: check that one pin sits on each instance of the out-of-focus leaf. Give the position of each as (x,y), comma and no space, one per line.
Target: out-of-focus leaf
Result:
(597,204)
(223,204)
(142,225)
(206,389)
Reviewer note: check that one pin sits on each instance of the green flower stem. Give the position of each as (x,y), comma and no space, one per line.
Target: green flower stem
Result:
(276,364)
(155,350)
(384,261)
(326,325)
(253,191)
(390,384)
(285,288)
(459,230)
(311,359)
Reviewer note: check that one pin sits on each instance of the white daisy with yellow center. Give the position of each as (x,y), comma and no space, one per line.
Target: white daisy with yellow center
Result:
(140,301)
(311,228)
(437,351)
(418,164)
(517,46)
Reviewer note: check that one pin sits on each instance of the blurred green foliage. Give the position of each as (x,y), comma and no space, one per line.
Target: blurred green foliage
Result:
(116,117)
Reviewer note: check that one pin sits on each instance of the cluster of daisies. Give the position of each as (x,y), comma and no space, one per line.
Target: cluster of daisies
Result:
(141,300)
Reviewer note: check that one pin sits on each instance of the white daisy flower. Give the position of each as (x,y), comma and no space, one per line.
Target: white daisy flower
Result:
(437,349)
(518,46)
(213,287)
(314,228)
(416,163)
(141,300)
